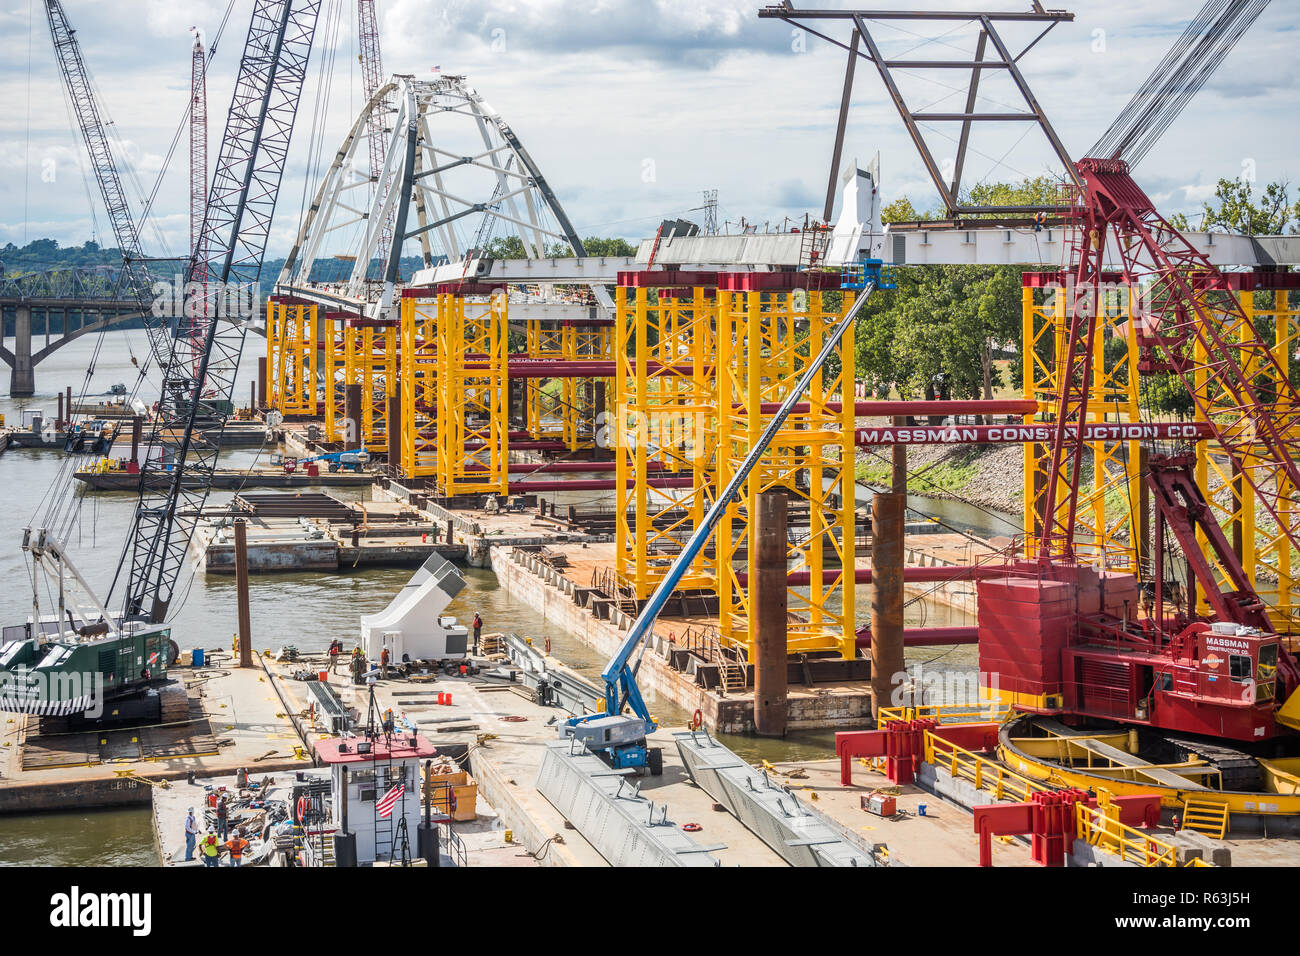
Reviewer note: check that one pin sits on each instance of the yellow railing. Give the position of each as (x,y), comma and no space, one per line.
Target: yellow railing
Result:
(984,773)
(986,712)
(1106,833)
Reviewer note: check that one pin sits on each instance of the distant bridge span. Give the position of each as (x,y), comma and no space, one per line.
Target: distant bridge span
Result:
(61,306)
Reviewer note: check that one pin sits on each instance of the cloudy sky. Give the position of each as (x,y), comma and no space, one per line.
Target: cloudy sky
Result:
(633,107)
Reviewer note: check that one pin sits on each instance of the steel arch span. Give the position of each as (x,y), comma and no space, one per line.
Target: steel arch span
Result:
(455,176)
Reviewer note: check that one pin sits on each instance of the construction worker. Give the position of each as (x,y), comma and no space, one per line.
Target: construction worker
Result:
(223,818)
(478,629)
(383,664)
(357,665)
(210,850)
(237,845)
(336,648)
(191,835)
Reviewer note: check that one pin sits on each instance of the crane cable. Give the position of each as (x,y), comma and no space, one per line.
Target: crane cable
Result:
(1180,74)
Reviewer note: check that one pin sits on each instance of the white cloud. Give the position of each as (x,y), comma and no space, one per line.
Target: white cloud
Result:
(715,96)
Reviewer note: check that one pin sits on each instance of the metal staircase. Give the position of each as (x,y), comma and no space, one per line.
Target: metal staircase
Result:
(1206,815)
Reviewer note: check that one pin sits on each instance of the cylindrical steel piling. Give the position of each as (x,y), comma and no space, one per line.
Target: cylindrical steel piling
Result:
(768,600)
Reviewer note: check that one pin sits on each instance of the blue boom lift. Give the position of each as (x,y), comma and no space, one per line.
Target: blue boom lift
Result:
(346,460)
(619,738)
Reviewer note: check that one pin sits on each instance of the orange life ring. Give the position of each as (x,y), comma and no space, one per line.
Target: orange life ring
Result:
(302,809)
(697,721)
(692,827)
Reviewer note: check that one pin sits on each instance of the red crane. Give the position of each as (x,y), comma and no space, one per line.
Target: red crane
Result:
(1064,637)
(372,79)
(198,196)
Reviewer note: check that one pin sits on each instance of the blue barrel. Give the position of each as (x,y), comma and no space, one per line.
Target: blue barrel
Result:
(198,657)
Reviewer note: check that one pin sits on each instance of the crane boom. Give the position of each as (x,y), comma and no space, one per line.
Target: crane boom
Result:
(198,190)
(619,677)
(372,77)
(199,375)
(76,79)
(94,133)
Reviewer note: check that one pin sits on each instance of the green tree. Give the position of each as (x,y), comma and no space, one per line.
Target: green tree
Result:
(1039,190)
(1236,209)
(615,247)
(902,210)
(505,247)
(946,319)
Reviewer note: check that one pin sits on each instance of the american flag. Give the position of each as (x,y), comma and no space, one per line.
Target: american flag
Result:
(389,800)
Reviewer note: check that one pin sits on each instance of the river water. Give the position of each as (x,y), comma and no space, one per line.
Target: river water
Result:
(306,610)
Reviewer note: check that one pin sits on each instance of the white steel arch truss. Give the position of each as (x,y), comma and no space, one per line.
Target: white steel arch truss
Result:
(452,168)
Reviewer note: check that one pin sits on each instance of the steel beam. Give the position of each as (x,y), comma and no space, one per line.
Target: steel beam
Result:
(606,807)
(800,834)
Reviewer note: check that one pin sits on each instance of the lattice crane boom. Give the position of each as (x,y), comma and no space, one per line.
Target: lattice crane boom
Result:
(1237,385)
(198,381)
(372,78)
(198,189)
(94,133)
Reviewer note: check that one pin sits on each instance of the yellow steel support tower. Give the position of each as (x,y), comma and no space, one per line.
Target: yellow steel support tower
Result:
(1109,509)
(419,386)
(664,423)
(333,373)
(1263,549)
(1108,516)
(767,336)
(562,409)
(473,431)
(291,350)
(369,352)
(546,412)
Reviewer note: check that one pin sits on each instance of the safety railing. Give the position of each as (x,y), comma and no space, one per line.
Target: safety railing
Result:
(985,774)
(983,713)
(1103,831)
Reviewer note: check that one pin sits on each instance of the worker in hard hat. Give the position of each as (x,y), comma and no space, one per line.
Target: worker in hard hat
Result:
(210,850)
(237,845)
(191,835)
(383,663)
(478,629)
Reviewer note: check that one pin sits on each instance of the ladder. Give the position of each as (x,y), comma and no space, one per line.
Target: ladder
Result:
(732,675)
(1206,815)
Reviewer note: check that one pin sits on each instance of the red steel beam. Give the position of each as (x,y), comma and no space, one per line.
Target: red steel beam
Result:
(999,406)
(927,636)
(912,574)
(523,486)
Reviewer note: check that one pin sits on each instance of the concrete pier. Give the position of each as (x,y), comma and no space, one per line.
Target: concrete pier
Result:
(22,378)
